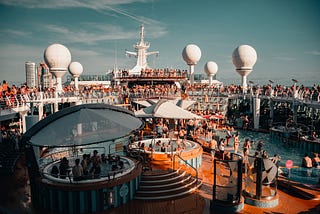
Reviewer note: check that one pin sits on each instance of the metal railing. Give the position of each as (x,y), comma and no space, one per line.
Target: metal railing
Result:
(174,162)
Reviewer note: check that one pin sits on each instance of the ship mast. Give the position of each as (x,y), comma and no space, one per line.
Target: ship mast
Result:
(141,54)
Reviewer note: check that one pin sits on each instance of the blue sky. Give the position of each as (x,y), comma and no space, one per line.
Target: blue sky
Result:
(284,33)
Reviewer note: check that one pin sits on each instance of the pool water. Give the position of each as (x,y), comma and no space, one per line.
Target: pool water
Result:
(295,154)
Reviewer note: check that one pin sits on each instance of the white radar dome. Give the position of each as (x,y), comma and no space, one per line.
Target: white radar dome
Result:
(75,69)
(211,68)
(57,57)
(244,57)
(191,54)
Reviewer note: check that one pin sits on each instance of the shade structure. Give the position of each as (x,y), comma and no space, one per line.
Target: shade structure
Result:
(83,125)
(179,102)
(185,104)
(166,109)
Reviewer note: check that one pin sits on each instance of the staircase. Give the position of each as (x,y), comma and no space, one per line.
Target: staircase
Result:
(166,185)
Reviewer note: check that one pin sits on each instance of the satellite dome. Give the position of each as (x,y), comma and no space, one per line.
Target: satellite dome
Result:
(191,54)
(57,57)
(75,69)
(244,57)
(211,68)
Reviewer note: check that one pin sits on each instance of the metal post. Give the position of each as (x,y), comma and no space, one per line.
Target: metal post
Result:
(259,179)
(214,179)
(239,184)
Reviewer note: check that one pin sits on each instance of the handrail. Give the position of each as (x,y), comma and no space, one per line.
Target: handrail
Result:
(111,175)
(68,149)
(173,165)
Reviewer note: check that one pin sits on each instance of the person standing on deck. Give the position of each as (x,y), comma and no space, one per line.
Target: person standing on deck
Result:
(77,171)
(229,136)
(246,145)
(221,147)
(316,160)
(214,147)
(306,161)
(236,143)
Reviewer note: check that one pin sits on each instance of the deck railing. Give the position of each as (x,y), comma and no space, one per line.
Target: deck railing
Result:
(185,162)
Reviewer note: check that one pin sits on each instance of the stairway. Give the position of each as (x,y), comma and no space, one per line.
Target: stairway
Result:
(166,185)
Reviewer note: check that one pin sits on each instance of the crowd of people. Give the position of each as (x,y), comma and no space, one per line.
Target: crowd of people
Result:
(185,130)
(10,95)
(309,162)
(89,167)
(149,72)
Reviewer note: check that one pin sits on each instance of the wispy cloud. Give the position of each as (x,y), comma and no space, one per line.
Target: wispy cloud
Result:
(89,36)
(92,33)
(97,5)
(14,51)
(13,32)
(314,52)
(284,58)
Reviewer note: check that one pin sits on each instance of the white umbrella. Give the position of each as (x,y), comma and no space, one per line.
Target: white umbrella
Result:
(179,102)
(166,109)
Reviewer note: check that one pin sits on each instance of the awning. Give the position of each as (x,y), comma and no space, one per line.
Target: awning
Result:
(166,109)
(82,125)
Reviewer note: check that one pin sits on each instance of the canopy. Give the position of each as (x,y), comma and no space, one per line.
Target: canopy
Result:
(179,102)
(82,125)
(166,109)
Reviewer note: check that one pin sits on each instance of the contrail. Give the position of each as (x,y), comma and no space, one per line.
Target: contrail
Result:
(122,12)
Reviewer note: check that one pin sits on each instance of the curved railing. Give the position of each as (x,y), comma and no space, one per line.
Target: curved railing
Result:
(260,178)
(108,172)
(227,187)
(186,163)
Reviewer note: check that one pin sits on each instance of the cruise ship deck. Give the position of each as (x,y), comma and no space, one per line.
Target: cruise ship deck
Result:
(15,197)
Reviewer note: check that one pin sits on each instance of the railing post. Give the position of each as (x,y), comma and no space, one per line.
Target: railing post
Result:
(214,178)
(259,179)
(239,191)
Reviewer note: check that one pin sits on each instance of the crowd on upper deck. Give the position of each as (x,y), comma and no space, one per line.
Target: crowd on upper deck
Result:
(149,72)
(10,95)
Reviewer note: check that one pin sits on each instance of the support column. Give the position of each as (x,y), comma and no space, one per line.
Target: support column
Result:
(191,74)
(56,104)
(40,106)
(256,112)
(23,127)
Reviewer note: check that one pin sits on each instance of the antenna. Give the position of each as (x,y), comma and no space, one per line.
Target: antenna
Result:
(115,57)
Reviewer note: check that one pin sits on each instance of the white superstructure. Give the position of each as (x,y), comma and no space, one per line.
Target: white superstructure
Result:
(141,54)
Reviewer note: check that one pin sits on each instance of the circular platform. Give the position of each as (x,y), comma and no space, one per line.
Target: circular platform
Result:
(109,170)
(189,151)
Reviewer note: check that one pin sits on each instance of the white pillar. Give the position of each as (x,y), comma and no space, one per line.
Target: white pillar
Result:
(59,84)
(256,112)
(244,84)
(191,74)
(56,104)
(40,110)
(76,83)
(210,80)
(22,120)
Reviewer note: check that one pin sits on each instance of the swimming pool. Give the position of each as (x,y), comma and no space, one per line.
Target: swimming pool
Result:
(298,173)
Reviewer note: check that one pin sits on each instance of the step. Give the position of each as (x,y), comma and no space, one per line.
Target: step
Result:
(169,188)
(157,180)
(165,184)
(175,194)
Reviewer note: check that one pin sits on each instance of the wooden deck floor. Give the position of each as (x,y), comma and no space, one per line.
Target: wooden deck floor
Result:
(199,202)
(14,194)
